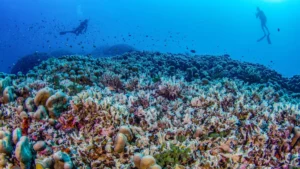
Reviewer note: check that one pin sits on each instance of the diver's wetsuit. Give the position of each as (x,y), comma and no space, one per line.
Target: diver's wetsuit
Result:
(79,30)
(263,20)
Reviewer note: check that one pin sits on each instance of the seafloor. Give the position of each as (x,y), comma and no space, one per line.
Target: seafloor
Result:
(149,110)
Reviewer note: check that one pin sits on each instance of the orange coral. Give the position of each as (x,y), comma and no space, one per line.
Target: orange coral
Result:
(25,125)
(66,150)
(67,124)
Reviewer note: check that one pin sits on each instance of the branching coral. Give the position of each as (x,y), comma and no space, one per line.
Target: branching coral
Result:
(170,89)
(112,81)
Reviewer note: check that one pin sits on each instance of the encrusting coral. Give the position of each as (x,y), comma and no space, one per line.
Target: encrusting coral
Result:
(145,162)
(8,94)
(124,135)
(23,153)
(149,110)
(5,143)
(62,160)
(56,104)
(17,134)
(120,143)
(4,82)
(42,96)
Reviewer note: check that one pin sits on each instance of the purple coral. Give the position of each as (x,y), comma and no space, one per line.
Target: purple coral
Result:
(112,81)
(170,89)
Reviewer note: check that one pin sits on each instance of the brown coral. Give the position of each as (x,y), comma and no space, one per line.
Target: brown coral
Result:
(42,96)
(56,104)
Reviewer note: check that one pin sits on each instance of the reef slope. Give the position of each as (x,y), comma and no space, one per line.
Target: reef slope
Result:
(149,110)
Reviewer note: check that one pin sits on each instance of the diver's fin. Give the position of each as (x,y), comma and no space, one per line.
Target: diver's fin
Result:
(260,39)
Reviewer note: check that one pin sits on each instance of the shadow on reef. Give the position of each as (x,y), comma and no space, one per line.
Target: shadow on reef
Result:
(27,62)
(119,49)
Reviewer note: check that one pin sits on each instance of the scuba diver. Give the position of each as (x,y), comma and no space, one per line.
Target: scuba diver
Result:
(263,20)
(79,30)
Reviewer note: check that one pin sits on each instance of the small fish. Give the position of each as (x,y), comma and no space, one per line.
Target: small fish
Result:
(193,51)
(278,29)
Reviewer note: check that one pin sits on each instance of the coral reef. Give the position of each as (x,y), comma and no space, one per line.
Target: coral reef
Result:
(294,83)
(149,110)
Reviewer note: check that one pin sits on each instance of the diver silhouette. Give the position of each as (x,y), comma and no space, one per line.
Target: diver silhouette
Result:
(263,20)
(79,30)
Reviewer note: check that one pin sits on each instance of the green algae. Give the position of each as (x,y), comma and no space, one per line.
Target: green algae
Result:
(156,79)
(181,138)
(174,155)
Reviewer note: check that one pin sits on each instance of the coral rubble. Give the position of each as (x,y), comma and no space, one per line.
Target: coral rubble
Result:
(149,110)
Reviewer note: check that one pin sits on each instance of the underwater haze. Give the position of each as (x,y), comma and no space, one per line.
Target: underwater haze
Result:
(212,27)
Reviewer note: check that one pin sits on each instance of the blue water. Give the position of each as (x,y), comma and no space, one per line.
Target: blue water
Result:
(207,26)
